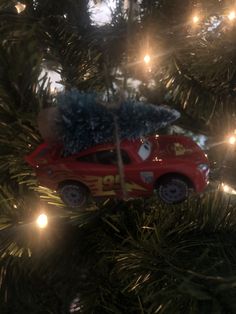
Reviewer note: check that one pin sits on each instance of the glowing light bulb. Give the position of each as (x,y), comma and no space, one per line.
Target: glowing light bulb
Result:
(147,59)
(232,140)
(225,187)
(20,7)
(42,221)
(196,19)
(232,15)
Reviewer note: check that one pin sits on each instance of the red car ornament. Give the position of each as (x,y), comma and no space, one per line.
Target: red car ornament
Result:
(170,165)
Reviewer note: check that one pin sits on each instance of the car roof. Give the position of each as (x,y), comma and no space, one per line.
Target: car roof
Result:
(124,144)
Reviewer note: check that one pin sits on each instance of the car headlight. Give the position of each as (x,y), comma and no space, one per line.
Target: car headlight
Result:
(203,167)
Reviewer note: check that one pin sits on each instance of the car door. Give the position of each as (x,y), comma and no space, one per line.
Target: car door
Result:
(138,177)
(99,172)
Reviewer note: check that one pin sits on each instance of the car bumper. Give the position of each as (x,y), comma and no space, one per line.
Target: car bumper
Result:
(201,180)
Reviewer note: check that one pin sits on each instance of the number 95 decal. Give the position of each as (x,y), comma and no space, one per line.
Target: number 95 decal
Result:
(111,182)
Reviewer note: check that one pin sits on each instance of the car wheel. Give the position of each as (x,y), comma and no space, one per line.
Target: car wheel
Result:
(173,190)
(74,194)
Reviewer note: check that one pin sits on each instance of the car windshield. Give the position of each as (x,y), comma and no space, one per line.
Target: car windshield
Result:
(145,150)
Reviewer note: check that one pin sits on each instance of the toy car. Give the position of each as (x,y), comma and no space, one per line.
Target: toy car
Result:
(171,165)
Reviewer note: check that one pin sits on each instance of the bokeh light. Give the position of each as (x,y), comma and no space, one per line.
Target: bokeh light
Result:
(196,19)
(232,15)
(42,221)
(147,59)
(232,140)
(20,7)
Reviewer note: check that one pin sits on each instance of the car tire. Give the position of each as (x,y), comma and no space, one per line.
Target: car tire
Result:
(74,194)
(173,189)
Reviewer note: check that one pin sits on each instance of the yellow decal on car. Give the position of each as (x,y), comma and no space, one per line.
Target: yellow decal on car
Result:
(180,150)
(107,185)
(98,185)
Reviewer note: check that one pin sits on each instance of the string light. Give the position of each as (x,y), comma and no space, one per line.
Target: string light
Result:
(227,189)
(232,140)
(42,221)
(20,7)
(195,19)
(147,59)
(232,15)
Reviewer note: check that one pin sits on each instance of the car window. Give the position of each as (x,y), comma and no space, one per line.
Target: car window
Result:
(125,157)
(145,150)
(105,157)
(87,158)
(109,157)
(43,152)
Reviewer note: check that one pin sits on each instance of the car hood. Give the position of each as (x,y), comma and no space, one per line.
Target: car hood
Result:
(170,146)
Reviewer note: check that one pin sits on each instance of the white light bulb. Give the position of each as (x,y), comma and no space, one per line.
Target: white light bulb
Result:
(226,188)
(232,15)
(42,221)
(232,140)
(147,59)
(20,7)
(196,19)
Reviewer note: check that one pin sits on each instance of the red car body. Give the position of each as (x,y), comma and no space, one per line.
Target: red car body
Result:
(146,162)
